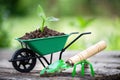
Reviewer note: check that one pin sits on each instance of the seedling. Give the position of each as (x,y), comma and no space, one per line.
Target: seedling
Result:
(44,18)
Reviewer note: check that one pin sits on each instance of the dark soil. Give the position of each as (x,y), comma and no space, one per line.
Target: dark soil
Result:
(38,34)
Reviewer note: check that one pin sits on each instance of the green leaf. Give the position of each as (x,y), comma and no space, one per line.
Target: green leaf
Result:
(41,12)
(42,16)
(52,19)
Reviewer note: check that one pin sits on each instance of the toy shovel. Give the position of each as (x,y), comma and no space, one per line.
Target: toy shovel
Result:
(79,58)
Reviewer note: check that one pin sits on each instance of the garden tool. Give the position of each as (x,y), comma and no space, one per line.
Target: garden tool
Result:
(75,60)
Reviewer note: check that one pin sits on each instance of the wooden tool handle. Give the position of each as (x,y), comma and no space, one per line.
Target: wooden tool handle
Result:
(87,53)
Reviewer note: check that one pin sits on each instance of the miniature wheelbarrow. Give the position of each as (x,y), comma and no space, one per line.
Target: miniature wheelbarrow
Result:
(24,59)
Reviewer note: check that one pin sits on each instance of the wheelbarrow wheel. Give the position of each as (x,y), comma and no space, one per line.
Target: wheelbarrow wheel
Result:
(24,60)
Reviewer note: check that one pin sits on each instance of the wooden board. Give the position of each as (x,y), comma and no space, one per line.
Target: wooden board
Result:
(106,66)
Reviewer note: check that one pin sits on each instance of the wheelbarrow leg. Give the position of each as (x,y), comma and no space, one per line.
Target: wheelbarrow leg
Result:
(51,58)
(41,60)
(60,57)
(46,60)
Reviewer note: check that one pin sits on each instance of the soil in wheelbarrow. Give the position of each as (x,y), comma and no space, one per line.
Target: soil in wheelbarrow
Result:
(38,34)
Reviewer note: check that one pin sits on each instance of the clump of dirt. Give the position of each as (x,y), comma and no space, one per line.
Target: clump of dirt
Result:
(38,34)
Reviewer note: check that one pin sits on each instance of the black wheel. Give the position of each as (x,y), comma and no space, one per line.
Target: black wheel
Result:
(24,60)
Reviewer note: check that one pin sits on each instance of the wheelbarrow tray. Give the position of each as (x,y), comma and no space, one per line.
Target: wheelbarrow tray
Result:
(48,45)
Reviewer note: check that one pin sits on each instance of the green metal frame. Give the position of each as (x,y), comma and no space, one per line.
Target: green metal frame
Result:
(83,68)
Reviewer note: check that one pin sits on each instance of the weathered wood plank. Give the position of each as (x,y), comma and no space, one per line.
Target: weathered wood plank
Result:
(106,66)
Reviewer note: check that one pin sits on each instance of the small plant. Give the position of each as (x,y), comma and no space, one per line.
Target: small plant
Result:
(44,18)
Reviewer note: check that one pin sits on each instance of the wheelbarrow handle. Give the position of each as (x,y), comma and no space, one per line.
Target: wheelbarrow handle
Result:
(76,38)
(72,41)
(74,33)
(86,33)
(80,34)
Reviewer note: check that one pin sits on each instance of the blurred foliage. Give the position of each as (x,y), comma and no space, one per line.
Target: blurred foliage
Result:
(99,16)
(84,23)
(114,39)
(4,32)
(63,7)
(9,6)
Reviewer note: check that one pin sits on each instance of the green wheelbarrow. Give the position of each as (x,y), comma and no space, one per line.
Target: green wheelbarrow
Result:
(24,59)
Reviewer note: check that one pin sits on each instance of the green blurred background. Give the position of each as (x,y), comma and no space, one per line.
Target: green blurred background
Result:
(101,17)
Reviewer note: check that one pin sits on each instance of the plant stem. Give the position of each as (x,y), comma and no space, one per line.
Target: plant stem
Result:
(43,23)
